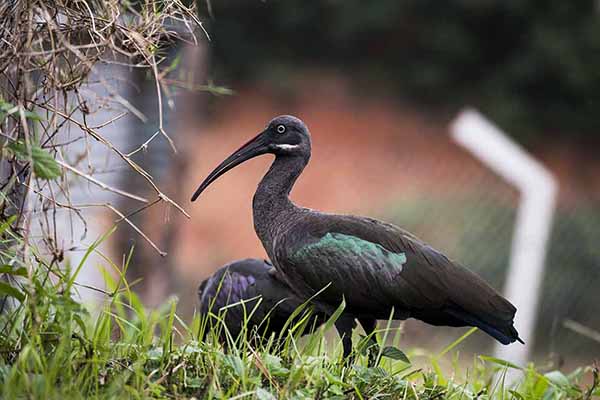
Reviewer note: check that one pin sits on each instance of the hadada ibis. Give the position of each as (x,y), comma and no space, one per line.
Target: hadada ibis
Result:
(247,290)
(375,266)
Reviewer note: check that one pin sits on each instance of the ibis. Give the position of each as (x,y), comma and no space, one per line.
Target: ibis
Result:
(246,293)
(377,268)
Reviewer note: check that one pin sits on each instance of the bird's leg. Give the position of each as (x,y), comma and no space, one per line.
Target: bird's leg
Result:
(369,325)
(344,326)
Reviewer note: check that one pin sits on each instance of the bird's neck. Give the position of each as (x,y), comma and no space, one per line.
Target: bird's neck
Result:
(271,204)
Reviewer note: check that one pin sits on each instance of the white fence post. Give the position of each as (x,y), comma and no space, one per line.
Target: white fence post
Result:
(538,190)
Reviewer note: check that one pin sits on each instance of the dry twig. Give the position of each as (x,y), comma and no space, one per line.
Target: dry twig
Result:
(48,51)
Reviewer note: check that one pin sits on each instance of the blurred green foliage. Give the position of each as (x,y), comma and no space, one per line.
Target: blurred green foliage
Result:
(532,66)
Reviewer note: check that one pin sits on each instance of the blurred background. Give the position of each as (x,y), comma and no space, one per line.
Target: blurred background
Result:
(378,84)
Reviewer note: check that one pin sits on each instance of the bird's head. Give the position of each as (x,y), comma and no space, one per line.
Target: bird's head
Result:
(284,136)
(287,135)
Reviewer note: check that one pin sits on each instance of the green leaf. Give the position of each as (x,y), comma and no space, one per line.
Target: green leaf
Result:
(557,378)
(516,395)
(335,316)
(194,383)
(333,379)
(7,269)
(235,363)
(262,394)
(457,342)
(395,354)
(540,387)
(273,364)
(33,116)
(11,291)
(80,323)
(155,354)
(7,109)
(44,165)
(439,373)
(366,344)
(499,361)
(6,224)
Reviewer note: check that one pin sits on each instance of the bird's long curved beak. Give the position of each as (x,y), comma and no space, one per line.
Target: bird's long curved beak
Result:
(255,147)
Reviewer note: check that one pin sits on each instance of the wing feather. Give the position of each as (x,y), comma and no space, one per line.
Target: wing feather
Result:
(248,289)
(359,256)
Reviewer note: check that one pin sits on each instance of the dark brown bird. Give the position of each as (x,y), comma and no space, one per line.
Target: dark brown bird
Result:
(246,293)
(374,266)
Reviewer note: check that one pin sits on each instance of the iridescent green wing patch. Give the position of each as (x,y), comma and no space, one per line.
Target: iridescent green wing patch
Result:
(350,246)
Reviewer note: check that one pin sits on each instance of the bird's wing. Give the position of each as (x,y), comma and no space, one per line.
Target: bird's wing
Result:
(226,288)
(376,266)
(248,289)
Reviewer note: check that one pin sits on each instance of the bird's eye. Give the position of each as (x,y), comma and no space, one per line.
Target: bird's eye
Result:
(281,128)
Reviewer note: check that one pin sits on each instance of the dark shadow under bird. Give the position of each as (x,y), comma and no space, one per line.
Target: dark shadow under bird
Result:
(247,293)
(376,267)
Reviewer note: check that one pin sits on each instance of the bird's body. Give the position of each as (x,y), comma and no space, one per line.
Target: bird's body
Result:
(378,268)
(375,266)
(247,292)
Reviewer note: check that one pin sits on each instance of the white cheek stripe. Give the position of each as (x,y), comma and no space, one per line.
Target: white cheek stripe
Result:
(287,146)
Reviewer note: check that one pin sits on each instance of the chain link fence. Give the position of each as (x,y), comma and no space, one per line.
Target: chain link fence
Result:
(473,222)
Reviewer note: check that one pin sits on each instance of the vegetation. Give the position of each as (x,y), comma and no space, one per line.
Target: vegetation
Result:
(531,66)
(52,347)
(49,95)
(62,90)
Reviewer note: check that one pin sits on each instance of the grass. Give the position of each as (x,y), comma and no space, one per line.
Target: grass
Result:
(52,347)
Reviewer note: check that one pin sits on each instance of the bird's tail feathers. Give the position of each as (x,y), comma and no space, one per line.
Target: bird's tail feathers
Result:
(504,332)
